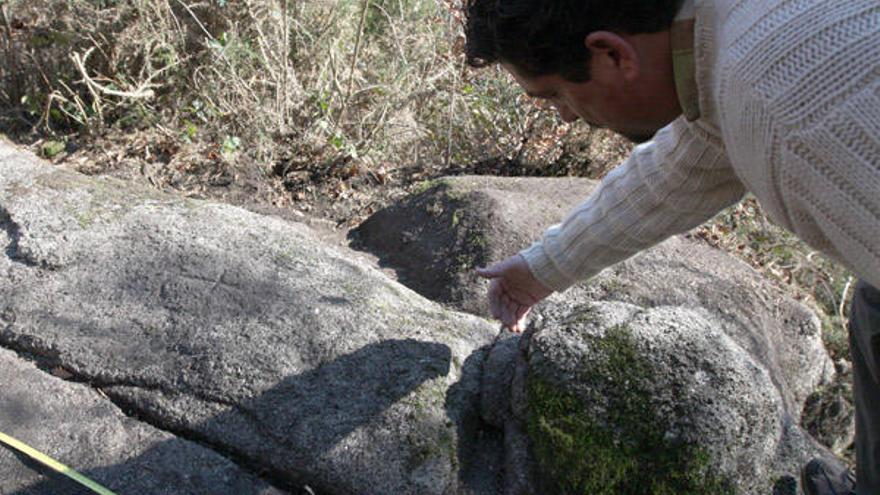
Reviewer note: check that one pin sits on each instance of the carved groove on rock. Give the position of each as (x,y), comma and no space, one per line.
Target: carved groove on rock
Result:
(45,359)
(270,475)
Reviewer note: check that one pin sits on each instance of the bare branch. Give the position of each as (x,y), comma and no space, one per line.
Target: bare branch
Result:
(143,91)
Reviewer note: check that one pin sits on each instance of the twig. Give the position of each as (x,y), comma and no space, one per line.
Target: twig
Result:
(265,51)
(841,308)
(180,31)
(285,57)
(10,57)
(365,141)
(142,92)
(334,74)
(451,124)
(55,95)
(354,58)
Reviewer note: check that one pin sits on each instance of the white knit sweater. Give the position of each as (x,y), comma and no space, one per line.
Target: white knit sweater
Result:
(789,96)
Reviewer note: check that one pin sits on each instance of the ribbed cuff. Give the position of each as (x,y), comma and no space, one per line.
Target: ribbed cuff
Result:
(544,269)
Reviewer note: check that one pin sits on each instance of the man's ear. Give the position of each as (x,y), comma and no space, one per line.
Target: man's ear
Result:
(613,53)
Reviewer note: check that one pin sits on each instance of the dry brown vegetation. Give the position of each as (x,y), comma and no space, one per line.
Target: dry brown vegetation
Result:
(334,106)
(375,83)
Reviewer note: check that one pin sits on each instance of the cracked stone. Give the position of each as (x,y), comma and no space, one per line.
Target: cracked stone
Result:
(75,425)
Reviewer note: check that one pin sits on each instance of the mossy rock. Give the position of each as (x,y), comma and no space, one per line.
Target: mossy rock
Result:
(447,227)
(622,399)
(627,452)
(51,149)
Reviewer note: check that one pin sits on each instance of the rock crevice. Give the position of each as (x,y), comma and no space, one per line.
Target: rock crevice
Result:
(121,396)
(58,369)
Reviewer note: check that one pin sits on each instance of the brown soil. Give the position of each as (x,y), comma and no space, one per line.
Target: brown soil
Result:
(332,197)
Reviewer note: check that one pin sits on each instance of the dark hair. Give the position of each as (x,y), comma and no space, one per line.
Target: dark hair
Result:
(542,37)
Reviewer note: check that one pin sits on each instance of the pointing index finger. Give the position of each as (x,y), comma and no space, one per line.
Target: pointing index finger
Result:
(488,272)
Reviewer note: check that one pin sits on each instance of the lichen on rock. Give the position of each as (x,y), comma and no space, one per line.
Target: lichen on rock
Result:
(620,398)
(629,450)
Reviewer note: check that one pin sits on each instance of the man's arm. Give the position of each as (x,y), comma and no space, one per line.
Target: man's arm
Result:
(673,183)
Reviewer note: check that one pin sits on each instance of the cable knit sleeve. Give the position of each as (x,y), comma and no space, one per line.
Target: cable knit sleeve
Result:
(673,183)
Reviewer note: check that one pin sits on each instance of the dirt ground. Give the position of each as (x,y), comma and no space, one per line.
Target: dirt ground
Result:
(331,197)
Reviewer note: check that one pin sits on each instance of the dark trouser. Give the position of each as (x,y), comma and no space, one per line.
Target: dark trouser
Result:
(864,344)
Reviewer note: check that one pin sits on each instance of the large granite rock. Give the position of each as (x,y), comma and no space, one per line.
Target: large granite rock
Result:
(244,333)
(71,421)
(435,238)
(680,368)
(618,398)
(738,355)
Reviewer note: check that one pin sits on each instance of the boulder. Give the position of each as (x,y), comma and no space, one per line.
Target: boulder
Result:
(74,424)
(243,333)
(619,398)
(735,352)
(433,239)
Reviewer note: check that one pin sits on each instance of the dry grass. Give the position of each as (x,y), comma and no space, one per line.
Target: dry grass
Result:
(378,82)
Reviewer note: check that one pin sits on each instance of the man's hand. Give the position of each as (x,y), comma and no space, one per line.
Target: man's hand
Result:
(513,291)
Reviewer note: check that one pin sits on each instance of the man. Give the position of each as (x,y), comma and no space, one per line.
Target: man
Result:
(777,97)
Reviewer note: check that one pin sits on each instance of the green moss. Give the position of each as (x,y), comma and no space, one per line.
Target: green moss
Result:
(834,335)
(283,258)
(51,149)
(476,239)
(424,186)
(434,438)
(84,219)
(454,193)
(433,442)
(456,218)
(624,452)
(584,315)
(48,39)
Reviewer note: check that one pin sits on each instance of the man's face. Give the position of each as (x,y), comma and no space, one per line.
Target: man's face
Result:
(605,102)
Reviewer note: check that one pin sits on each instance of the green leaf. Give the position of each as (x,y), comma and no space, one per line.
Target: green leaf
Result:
(51,149)
(231,144)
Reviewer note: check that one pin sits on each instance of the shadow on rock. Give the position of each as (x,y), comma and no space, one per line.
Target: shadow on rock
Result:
(306,418)
(243,333)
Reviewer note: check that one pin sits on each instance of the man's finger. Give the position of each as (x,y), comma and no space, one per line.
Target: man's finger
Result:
(507,311)
(520,315)
(490,272)
(515,328)
(495,299)
(521,312)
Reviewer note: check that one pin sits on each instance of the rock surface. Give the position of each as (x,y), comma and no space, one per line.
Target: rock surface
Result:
(70,421)
(669,385)
(490,218)
(698,311)
(244,333)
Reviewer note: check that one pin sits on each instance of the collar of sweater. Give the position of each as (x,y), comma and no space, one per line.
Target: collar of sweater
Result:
(683,65)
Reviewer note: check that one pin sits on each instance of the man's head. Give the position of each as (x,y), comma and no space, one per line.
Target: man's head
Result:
(606,61)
